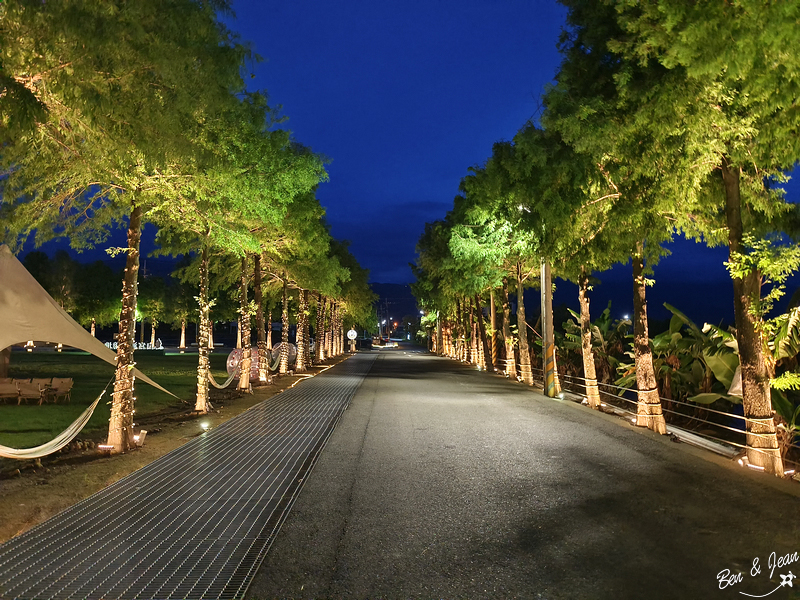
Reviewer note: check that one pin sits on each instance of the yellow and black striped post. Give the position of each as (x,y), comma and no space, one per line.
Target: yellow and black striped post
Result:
(548,341)
(493,324)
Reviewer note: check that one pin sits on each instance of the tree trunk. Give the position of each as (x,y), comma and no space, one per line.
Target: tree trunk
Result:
(269,331)
(211,334)
(141,328)
(762,440)
(320,328)
(182,345)
(459,345)
(439,335)
(510,362)
(93,329)
(487,352)
(339,346)
(120,426)
(473,338)
(244,331)
(468,337)
(284,364)
(202,405)
(326,349)
(261,335)
(329,329)
(332,336)
(300,364)
(589,373)
(335,328)
(153,326)
(522,326)
(649,404)
(339,330)
(307,328)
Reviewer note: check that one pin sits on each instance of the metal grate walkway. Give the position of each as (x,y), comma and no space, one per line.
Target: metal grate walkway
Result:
(195,523)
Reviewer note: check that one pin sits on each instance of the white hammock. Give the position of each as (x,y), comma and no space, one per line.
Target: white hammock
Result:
(232,376)
(64,438)
(227,381)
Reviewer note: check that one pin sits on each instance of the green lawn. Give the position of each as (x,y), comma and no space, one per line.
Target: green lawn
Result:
(30,425)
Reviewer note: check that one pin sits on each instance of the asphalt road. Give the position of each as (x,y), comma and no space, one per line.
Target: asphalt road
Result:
(444,482)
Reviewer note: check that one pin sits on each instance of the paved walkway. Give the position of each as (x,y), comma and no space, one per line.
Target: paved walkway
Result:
(444,482)
(195,523)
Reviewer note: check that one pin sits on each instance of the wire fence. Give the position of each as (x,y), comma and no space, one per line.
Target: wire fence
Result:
(717,426)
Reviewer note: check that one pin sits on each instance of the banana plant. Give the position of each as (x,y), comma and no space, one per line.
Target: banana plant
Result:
(714,353)
(608,341)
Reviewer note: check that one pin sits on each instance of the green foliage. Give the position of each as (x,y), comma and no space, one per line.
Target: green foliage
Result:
(121,112)
(152,301)
(774,259)
(98,297)
(85,291)
(722,365)
(609,340)
(786,381)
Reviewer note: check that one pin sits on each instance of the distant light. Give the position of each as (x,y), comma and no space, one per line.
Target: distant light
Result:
(756,467)
(789,472)
(105,447)
(204,425)
(741,462)
(626,317)
(422,312)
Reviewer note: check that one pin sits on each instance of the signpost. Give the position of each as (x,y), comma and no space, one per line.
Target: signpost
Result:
(352,335)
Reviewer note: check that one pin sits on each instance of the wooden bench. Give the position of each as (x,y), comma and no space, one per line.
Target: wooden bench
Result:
(42,389)
(60,387)
(31,389)
(8,389)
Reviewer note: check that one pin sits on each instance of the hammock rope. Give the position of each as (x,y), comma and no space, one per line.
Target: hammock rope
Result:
(276,364)
(227,381)
(54,445)
(273,367)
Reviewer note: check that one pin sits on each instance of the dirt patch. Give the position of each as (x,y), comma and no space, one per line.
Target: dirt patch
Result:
(33,491)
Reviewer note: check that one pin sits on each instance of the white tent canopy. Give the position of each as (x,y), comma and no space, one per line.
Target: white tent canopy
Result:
(27,312)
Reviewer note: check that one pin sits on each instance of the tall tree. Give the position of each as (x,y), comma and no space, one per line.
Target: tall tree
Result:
(119,113)
(734,77)
(589,111)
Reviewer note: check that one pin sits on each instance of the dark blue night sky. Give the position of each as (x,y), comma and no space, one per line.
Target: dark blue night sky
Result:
(403,97)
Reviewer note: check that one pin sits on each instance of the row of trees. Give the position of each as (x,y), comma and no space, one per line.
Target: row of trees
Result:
(120,113)
(663,119)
